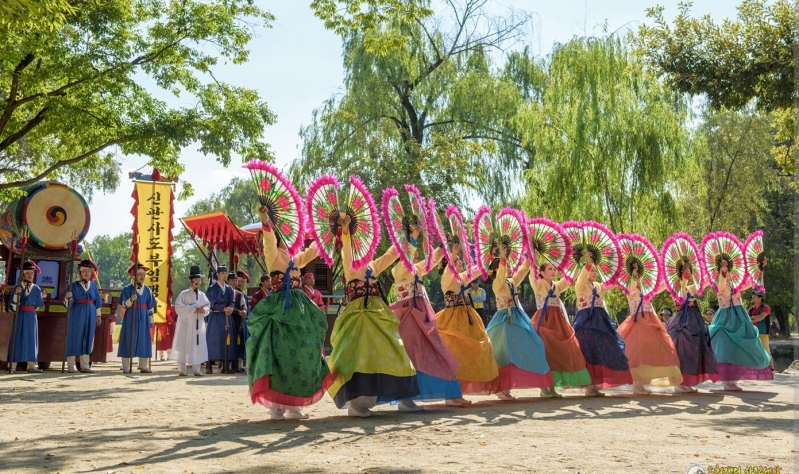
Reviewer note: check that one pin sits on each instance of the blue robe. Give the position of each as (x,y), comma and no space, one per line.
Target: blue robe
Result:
(242,331)
(82,319)
(142,309)
(26,345)
(220,298)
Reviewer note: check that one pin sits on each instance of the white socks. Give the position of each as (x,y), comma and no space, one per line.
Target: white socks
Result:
(127,360)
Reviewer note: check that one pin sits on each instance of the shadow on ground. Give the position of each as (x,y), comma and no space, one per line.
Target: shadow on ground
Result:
(257,439)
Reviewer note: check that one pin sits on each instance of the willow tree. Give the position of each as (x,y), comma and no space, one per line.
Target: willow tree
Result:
(608,139)
(431,110)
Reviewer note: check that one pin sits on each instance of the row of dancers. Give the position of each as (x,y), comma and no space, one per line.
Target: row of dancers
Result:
(406,353)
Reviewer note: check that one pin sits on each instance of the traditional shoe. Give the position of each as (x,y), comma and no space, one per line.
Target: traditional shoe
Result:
(408,405)
(363,412)
(453,403)
(545,393)
(684,389)
(295,414)
(639,389)
(464,401)
(505,395)
(731,387)
(71,370)
(277,414)
(209,370)
(143,371)
(554,393)
(198,374)
(35,370)
(86,371)
(181,374)
(592,392)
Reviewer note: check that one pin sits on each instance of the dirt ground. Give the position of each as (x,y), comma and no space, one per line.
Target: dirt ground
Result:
(160,422)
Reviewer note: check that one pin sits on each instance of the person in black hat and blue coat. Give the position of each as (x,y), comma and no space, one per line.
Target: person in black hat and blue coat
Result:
(138,303)
(26,297)
(85,302)
(220,342)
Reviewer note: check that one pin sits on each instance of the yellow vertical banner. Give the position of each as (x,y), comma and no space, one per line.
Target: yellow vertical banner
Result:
(154,236)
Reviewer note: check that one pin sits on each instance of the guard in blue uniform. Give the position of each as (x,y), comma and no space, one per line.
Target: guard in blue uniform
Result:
(241,310)
(28,296)
(84,302)
(220,341)
(139,304)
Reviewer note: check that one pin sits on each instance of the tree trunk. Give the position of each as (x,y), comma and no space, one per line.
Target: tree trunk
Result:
(782,320)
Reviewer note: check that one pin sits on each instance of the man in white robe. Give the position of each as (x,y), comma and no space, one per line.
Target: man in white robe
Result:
(189,345)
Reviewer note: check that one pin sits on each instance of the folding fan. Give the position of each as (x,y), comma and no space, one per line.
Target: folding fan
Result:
(636,250)
(283,204)
(397,226)
(755,255)
(719,246)
(679,250)
(548,243)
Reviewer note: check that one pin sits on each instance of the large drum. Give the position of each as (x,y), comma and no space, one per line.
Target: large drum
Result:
(53,213)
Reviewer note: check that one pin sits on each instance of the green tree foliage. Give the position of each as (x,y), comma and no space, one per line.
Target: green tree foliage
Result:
(72,96)
(725,187)
(733,62)
(433,112)
(366,16)
(608,139)
(35,14)
(112,257)
(778,223)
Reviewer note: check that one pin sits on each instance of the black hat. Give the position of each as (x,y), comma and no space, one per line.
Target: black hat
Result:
(133,269)
(29,265)
(243,274)
(221,268)
(665,311)
(759,293)
(195,272)
(86,263)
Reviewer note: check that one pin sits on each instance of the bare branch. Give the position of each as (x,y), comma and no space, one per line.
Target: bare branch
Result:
(12,92)
(32,123)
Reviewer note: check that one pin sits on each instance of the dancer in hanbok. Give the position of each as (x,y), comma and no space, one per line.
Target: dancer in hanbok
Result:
(369,363)
(650,351)
(685,280)
(189,344)
(462,331)
(739,353)
(436,367)
(563,353)
(602,346)
(518,349)
(285,367)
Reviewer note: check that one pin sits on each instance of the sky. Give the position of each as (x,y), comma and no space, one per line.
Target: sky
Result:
(296,65)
